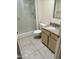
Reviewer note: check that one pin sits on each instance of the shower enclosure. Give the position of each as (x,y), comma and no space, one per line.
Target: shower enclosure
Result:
(26,16)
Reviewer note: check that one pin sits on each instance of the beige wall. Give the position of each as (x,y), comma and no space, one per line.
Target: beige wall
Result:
(45,11)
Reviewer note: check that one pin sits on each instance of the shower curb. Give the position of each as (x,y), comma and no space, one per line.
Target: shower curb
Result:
(19,36)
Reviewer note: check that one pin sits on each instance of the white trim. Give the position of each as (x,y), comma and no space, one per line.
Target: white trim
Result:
(37,19)
(58,49)
(24,34)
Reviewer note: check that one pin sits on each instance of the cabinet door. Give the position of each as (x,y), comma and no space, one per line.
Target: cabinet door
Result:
(54,36)
(46,32)
(44,38)
(52,44)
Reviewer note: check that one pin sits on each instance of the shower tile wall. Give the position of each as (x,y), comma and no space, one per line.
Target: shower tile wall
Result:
(26,18)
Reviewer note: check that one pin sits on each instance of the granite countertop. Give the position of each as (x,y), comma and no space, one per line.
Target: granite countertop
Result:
(52,29)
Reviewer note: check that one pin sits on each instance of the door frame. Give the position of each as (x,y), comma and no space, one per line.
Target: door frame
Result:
(58,50)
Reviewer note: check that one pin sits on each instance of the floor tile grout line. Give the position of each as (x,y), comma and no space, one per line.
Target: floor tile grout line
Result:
(37,50)
(35,47)
(33,51)
(41,55)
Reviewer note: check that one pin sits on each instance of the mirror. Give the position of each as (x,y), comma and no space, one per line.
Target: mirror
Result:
(57,9)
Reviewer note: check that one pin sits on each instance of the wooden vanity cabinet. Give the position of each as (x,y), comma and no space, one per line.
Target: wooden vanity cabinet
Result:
(45,36)
(52,44)
(49,39)
(54,36)
(46,32)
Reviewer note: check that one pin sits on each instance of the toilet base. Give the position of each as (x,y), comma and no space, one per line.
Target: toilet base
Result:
(37,37)
(37,34)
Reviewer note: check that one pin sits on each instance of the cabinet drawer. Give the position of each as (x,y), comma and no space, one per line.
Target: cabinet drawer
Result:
(44,38)
(52,44)
(54,36)
(46,32)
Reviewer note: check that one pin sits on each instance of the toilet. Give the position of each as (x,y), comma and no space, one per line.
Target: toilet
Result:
(37,33)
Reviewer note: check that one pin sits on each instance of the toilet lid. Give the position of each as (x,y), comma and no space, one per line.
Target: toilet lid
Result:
(37,31)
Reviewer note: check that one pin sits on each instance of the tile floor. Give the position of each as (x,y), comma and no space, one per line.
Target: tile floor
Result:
(34,49)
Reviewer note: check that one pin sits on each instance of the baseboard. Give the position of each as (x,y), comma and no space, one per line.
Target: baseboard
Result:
(26,34)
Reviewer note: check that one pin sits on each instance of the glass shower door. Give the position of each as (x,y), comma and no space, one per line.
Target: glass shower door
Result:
(26,17)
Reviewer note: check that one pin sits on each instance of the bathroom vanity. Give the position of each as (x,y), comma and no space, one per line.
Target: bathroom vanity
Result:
(49,37)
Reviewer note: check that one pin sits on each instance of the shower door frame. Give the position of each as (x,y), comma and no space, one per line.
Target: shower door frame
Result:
(37,21)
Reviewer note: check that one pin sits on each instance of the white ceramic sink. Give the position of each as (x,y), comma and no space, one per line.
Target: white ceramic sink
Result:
(53,29)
